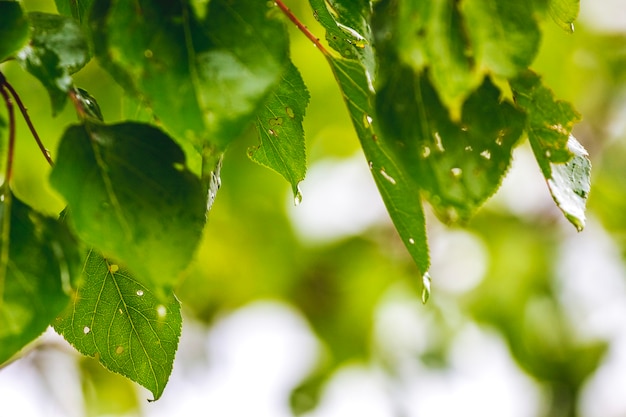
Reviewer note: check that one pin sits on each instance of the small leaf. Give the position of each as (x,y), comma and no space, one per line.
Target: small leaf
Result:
(121,322)
(279,124)
(38,260)
(504,35)
(549,121)
(131,195)
(570,184)
(57,49)
(564,13)
(14,28)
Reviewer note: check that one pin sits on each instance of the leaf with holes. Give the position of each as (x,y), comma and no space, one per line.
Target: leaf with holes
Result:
(131,196)
(14,28)
(57,49)
(121,322)
(458,165)
(279,124)
(38,261)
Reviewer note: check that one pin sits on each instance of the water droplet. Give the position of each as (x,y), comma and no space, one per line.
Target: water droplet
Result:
(140,292)
(119,350)
(113,268)
(548,154)
(425,152)
(86,329)
(499,141)
(297,198)
(367,120)
(571,28)
(179,166)
(387,176)
(412,241)
(161,311)
(456,172)
(290,112)
(271,132)
(119,310)
(276,121)
(439,142)
(426,290)
(452,215)
(486,154)
(370,164)
(464,128)
(469,148)
(148,53)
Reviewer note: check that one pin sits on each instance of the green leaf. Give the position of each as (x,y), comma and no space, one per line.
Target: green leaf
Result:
(131,196)
(121,322)
(400,193)
(57,49)
(570,184)
(504,35)
(564,13)
(38,260)
(79,10)
(14,29)
(279,124)
(458,165)
(204,83)
(549,121)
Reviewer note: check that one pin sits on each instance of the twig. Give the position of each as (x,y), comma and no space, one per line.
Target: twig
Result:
(11,113)
(24,112)
(302,27)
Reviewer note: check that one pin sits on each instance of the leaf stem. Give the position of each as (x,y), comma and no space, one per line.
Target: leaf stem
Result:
(316,41)
(11,114)
(29,122)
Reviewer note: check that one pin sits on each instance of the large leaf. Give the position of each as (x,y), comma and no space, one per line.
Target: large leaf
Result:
(38,261)
(57,49)
(504,34)
(14,29)
(279,124)
(131,196)
(117,319)
(356,79)
(204,83)
(458,165)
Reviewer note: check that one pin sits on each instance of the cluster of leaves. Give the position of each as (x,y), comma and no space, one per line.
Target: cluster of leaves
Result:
(439,93)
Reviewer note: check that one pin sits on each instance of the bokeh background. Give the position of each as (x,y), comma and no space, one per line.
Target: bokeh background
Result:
(527,317)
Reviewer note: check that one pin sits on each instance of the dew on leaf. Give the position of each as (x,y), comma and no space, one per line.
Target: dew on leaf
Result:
(161,311)
(486,154)
(548,154)
(571,28)
(456,172)
(469,148)
(119,310)
(148,53)
(139,293)
(179,166)
(113,268)
(272,132)
(464,128)
(370,164)
(367,120)
(290,112)
(86,329)
(439,142)
(412,241)
(387,176)
(426,290)
(119,350)
(425,152)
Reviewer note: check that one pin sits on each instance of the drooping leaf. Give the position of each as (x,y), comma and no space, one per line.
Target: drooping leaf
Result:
(202,82)
(119,320)
(570,184)
(38,260)
(14,28)
(57,49)
(131,196)
(564,13)
(279,124)
(458,165)
(356,79)
(504,35)
(562,159)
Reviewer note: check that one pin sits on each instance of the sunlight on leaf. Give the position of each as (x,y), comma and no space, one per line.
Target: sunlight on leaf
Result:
(121,322)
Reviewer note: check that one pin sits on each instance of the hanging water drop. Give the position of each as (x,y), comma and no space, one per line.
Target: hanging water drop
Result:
(439,142)
(297,198)
(426,287)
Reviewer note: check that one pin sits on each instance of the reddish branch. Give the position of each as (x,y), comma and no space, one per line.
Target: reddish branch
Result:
(301,26)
